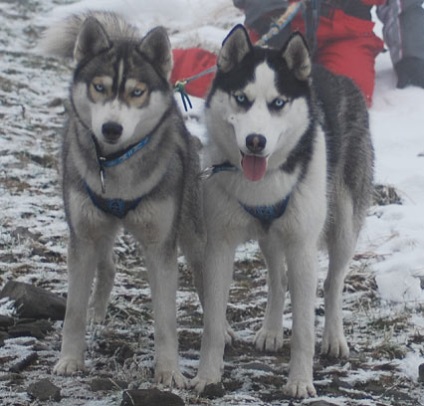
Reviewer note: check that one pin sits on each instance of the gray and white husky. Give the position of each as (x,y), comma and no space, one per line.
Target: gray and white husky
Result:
(128,161)
(291,163)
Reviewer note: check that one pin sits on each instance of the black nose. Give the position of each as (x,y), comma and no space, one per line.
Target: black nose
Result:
(112,131)
(255,143)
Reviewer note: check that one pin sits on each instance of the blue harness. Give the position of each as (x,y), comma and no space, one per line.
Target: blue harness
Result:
(265,214)
(116,207)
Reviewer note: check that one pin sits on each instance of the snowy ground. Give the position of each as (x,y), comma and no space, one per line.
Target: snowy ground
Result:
(383,301)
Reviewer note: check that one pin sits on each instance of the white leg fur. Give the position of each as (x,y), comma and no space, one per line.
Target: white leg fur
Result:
(216,284)
(270,336)
(302,272)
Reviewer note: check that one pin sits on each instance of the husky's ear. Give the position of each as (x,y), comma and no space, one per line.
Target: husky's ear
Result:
(92,39)
(296,54)
(234,48)
(157,48)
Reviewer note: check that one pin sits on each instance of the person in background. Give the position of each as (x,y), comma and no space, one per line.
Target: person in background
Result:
(340,35)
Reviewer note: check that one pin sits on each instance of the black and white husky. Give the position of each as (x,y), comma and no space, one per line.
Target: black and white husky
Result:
(128,161)
(290,164)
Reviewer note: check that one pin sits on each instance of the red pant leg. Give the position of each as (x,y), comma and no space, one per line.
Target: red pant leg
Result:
(348,46)
(189,62)
(353,58)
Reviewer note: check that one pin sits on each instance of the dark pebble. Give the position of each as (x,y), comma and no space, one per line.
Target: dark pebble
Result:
(107,384)
(214,390)
(6,322)
(150,397)
(44,390)
(421,373)
(24,363)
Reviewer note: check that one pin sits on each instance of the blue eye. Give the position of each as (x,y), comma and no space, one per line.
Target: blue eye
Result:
(278,103)
(137,93)
(241,99)
(98,87)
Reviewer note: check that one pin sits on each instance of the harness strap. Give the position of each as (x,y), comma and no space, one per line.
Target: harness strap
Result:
(116,207)
(266,214)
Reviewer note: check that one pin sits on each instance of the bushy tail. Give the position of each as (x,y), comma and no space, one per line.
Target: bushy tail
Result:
(59,40)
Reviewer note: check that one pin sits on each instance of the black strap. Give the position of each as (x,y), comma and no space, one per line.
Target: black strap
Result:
(311,16)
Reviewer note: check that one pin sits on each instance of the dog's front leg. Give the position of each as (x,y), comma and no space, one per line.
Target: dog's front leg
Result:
(82,262)
(217,278)
(162,269)
(302,272)
(270,336)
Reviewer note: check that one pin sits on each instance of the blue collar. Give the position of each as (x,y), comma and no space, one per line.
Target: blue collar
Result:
(116,207)
(120,157)
(117,158)
(265,214)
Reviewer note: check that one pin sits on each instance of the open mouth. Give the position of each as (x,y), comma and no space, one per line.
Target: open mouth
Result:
(254,166)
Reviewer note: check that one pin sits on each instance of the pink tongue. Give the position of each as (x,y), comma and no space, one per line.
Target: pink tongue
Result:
(254,167)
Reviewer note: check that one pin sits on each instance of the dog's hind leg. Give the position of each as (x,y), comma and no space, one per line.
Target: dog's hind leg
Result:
(196,263)
(341,240)
(270,336)
(104,279)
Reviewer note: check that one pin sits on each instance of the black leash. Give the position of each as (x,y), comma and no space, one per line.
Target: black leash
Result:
(311,16)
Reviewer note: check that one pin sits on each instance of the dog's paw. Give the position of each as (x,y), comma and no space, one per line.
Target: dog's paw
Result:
(269,340)
(68,366)
(199,384)
(299,389)
(334,345)
(230,335)
(170,378)
(95,317)
(96,313)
